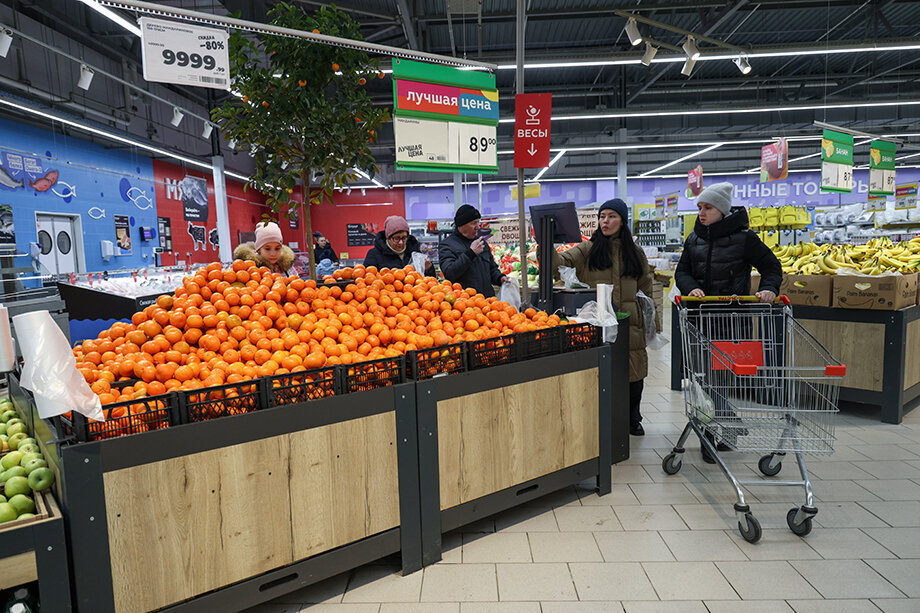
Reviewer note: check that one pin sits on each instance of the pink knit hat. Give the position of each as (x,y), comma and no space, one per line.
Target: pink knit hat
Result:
(394,224)
(267,233)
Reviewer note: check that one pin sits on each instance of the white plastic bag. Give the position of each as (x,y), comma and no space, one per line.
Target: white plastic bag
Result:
(653,340)
(672,294)
(50,370)
(605,319)
(570,279)
(701,402)
(419,261)
(510,292)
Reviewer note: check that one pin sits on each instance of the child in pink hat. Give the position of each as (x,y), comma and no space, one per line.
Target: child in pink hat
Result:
(268,249)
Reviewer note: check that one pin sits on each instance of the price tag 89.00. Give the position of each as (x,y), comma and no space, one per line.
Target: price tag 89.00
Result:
(184,54)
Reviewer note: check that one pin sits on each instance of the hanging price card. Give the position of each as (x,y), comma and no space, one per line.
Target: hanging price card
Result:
(180,53)
(836,162)
(905,196)
(881,168)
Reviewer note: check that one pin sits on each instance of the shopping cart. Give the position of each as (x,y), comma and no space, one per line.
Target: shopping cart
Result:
(756,380)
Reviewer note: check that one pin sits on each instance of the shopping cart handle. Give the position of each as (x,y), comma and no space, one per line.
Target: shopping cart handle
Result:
(744,369)
(678,299)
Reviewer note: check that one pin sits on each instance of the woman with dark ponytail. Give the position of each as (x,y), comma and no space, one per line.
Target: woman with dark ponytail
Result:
(611,256)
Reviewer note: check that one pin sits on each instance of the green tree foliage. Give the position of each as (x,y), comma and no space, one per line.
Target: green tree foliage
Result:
(303,109)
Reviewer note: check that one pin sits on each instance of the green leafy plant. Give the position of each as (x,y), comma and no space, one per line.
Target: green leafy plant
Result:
(303,110)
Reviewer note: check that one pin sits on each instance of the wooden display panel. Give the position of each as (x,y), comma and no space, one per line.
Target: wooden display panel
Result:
(18,569)
(912,355)
(495,439)
(852,343)
(185,526)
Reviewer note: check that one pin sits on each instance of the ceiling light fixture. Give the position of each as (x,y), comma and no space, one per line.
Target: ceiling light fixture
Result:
(177,117)
(743,65)
(86,77)
(649,54)
(114,16)
(632,31)
(553,161)
(690,48)
(206,130)
(681,159)
(688,67)
(6,39)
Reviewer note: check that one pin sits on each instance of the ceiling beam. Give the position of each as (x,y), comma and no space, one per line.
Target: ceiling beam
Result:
(405,16)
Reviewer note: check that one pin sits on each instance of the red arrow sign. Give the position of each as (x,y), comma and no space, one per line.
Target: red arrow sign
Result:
(531,130)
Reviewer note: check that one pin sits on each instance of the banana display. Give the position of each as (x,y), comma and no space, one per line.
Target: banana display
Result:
(878,256)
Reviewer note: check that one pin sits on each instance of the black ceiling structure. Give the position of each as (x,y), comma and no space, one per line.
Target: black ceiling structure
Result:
(851,63)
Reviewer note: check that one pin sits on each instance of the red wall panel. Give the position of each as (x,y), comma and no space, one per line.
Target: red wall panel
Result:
(373,206)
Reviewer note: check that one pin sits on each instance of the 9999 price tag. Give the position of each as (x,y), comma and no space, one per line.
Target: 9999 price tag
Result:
(184,54)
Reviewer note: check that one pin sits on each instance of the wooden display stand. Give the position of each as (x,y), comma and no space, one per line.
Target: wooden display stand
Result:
(495,438)
(881,350)
(36,549)
(229,513)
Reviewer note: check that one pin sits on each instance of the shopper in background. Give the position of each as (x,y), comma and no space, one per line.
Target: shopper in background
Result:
(612,257)
(268,250)
(323,250)
(394,246)
(466,258)
(716,261)
(719,253)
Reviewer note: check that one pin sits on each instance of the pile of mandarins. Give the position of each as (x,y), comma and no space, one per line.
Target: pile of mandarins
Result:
(241,323)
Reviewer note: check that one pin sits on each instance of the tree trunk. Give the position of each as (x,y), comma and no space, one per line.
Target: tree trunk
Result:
(308,221)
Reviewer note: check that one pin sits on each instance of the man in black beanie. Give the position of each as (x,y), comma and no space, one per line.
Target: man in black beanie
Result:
(466,258)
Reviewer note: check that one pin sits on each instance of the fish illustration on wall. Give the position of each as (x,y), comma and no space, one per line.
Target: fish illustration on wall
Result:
(45,183)
(96,212)
(139,197)
(6,180)
(67,193)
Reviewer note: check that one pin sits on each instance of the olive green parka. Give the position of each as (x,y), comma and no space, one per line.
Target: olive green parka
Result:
(623,295)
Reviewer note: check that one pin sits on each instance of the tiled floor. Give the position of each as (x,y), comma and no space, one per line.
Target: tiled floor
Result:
(661,543)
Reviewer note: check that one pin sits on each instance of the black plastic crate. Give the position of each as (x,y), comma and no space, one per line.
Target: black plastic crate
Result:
(303,386)
(444,360)
(492,351)
(122,418)
(538,343)
(576,337)
(222,400)
(372,374)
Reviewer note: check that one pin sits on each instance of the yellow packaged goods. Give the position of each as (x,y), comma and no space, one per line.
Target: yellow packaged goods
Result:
(809,290)
(885,292)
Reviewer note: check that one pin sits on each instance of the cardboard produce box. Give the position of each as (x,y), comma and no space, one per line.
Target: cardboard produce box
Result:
(885,293)
(808,290)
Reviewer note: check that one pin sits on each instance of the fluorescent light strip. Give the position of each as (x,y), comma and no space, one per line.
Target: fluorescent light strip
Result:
(554,160)
(770,109)
(681,159)
(114,16)
(904,157)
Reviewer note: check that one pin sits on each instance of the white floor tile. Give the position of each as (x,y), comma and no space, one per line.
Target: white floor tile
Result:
(701,545)
(588,518)
(665,606)
(899,514)
(889,469)
(902,573)
(582,607)
(775,544)
(845,579)
(523,519)
(892,489)
(620,494)
(833,606)
(383,584)
(564,547)
(649,517)
(417,607)
(494,548)
(748,579)
(747,606)
(843,543)
(645,546)
(848,515)
(459,583)
(896,605)
(535,582)
(902,542)
(689,581)
(500,607)
(612,581)
(662,493)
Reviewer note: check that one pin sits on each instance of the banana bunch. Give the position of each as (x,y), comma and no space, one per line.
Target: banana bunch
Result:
(878,256)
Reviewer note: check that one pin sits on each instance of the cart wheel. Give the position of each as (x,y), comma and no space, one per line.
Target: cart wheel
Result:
(764,466)
(751,532)
(801,529)
(671,464)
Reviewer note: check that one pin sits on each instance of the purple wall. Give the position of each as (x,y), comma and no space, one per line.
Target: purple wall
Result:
(800,188)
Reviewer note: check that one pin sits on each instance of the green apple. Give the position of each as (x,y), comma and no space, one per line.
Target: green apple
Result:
(16,471)
(28,448)
(7,512)
(2,498)
(3,428)
(16,429)
(36,463)
(28,456)
(17,485)
(11,459)
(7,415)
(15,420)
(22,504)
(40,479)
(15,439)
(26,516)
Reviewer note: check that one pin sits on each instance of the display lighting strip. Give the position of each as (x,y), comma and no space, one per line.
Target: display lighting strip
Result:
(114,16)
(262,28)
(730,111)
(554,160)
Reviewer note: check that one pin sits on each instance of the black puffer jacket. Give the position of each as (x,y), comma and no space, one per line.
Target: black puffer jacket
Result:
(460,265)
(718,259)
(324,253)
(381,256)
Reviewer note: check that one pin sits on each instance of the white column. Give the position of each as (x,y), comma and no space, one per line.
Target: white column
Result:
(224,249)
(621,173)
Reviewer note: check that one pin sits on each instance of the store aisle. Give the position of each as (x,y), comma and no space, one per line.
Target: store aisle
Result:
(670,543)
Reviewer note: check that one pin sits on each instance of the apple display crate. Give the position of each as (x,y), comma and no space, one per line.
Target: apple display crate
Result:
(36,549)
(498,437)
(224,514)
